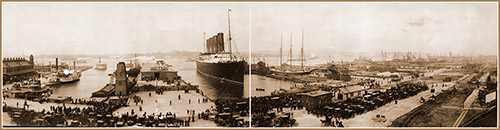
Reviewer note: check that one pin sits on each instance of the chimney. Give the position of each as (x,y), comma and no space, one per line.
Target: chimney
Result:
(32,59)
(57,65)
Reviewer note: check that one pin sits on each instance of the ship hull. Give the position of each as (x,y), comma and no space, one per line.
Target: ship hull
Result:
(226,72)
(69,80)
(290,73)
(100,67)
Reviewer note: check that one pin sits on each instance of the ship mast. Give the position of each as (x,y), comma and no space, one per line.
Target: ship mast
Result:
(302,52)
(229,27)
(281,49)
(290,49)
(204,43)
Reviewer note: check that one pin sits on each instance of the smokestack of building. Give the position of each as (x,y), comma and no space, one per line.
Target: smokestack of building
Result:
(57,64)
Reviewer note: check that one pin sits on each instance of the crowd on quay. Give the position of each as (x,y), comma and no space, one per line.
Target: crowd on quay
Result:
(59,115)
(337,111)
(231,111)
(98,114)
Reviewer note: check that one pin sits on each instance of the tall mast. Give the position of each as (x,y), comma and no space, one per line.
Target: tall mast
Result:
(302,52)
(229,27)
(281,49)
(290,48)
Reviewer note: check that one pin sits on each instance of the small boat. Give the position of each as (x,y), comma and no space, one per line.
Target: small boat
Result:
(65,76)
(259,89)
(101,66)
(30,89)
(70,76)
(190,60)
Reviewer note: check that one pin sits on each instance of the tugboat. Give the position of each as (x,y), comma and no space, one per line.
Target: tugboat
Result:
(101,66)
(31,89)
(218,64)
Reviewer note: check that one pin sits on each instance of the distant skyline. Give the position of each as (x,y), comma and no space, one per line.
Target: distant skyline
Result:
(124,28)
(463,28)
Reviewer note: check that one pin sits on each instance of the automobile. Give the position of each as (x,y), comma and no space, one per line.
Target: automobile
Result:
(379,118)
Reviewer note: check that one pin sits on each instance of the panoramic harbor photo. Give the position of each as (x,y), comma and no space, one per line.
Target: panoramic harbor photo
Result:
(125,65)
(249,65)
(374,65)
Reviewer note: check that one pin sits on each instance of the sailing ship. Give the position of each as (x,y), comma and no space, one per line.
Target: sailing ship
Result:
(101,66)
(216,63)
(286,69)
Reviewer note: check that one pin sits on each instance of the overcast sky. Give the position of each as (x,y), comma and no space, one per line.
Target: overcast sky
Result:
(372,27)
(108,28)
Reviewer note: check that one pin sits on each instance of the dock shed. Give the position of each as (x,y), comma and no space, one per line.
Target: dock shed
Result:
(349,92)
(315,98)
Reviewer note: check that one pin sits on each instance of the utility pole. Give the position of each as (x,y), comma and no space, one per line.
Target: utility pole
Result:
(302,52)
(290,60)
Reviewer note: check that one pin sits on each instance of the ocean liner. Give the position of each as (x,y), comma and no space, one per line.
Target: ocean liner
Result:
(216,63)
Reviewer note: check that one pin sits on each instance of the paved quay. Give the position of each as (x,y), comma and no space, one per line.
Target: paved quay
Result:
(160,103)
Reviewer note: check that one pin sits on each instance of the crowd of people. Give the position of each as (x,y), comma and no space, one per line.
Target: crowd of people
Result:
(98,115)
(59,115)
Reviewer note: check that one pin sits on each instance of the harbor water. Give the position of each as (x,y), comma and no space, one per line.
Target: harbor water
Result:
(92,80)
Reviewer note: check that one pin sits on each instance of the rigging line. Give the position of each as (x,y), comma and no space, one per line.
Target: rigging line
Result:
(235,46)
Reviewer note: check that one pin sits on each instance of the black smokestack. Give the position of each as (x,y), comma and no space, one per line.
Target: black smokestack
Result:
(57,64)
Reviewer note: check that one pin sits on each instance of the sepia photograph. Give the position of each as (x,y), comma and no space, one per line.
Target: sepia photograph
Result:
(111,64)
(311,65)
(374,64)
